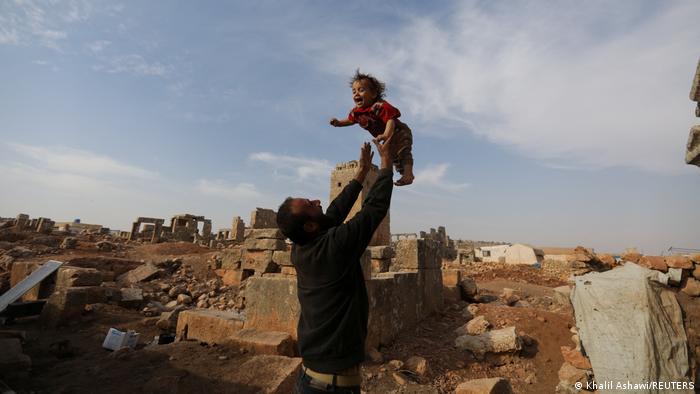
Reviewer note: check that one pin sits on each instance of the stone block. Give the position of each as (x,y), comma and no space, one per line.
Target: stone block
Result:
(381,252)
(264,342)
(287,270)
(237,229)
(168,320)
(231,258)
(272,304)
(696,272)
(264,244)
(139,274)
(68,304)
(451,277)
(485,386)
(282,257)
(208,326)
(259,261)
(268,374)
(430,291)
(233,277)
(496,341)
(11,357)
(263,218)
(130,297)
(654,262)
(632,257)
(379,290)
(75,276)
(266,233)
(416,254)
(678,261)
(477,326)
(468,289)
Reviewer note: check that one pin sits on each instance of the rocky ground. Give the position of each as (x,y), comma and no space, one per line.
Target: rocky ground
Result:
(70,358)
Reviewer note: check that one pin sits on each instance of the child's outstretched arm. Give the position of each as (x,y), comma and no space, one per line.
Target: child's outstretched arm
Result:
(341,123)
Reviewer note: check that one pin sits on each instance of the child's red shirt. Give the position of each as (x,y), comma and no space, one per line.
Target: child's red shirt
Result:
(373,119)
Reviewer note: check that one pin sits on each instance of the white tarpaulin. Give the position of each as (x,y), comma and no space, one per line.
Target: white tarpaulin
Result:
(631,328)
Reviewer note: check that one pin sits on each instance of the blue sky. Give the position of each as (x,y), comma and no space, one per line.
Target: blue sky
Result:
(554,124)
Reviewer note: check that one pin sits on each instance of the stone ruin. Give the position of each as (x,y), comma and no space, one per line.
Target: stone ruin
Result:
(692,155)
(23,223)
(445,243)
(182,227)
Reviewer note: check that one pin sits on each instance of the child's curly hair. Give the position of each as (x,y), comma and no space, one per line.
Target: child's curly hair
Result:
(378,86)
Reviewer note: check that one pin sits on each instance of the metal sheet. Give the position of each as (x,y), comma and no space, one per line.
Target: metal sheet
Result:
(27,283)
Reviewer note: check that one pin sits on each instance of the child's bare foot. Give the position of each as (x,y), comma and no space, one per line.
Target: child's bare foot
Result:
(405,180)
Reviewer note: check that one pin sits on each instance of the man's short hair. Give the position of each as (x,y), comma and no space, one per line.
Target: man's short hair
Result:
(291,225)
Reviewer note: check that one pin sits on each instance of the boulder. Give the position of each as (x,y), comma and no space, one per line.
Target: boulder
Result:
(68,276)
(678,261)
(495,341)
(140,274)
(208,326)
(477,325)
(654,262)
(632,257)
(691,287)
(468,289)
(69,243)
(575,358)
(570,375)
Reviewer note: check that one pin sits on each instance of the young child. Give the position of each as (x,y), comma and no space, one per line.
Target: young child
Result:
(381,119)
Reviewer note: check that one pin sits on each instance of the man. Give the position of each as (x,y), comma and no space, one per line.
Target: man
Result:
(332,294)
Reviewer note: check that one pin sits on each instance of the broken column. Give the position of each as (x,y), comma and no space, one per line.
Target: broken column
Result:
(237,229)
(422,256)
(263,218)
(340,177)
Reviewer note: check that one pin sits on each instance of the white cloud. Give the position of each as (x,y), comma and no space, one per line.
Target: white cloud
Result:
(135,64)
(224,189)
(433,175)
(78,162)
(98,46)
(593,84)
(301,168)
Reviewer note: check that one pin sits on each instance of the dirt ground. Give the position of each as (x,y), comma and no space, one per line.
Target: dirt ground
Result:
(70,359)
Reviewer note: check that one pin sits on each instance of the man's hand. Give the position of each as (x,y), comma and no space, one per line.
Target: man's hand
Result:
(365,162)
(385,152)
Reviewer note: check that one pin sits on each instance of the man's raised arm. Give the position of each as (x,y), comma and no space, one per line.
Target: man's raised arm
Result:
(356,234)
(340,207)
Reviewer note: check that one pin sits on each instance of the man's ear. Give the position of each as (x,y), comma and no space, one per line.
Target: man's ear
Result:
(310,227)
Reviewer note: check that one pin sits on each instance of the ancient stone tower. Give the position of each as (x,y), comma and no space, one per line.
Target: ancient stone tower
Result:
(340,177)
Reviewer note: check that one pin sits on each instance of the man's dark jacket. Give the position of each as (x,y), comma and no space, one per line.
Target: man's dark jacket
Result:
(332,293)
